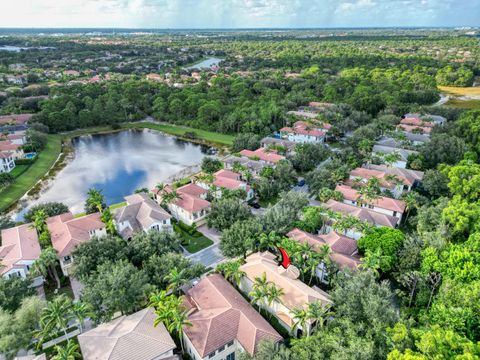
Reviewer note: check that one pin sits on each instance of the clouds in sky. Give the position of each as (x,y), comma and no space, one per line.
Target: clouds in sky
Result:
(237,13)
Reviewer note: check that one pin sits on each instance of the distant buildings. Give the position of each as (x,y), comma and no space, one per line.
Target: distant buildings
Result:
(263,155)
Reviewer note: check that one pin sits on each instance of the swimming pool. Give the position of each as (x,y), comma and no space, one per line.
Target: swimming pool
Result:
(30,155)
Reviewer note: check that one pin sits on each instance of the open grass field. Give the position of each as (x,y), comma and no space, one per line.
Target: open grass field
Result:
(34,173)
(212,137)
(463,104)
(460,91)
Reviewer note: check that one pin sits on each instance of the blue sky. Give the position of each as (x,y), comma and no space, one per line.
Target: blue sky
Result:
(238,13)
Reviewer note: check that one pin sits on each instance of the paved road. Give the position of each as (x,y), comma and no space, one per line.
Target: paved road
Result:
(209,257)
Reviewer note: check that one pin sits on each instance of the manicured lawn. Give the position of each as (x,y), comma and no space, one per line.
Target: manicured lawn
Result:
(34,173)
(19,170)
(212,137)
(112,207)
(192,243)
(463,104)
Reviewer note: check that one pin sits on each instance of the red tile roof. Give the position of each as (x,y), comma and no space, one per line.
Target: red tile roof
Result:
(302,128)
(7,145)
(383,202)
(363,214)
(219,314)
(18,244)
(19,119)
(67,232)
(227,174)
(414,129)
(262,154)
(416,122)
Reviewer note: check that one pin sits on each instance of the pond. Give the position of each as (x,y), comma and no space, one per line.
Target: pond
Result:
(205,64)
(18,49)
(118,164)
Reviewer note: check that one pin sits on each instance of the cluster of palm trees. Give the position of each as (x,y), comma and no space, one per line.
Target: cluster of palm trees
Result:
(40,224)
(316,313)
(56,317)
(170,311)
(265,293)
(167,197)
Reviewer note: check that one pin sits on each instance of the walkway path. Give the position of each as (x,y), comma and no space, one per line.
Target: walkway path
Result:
(211,255)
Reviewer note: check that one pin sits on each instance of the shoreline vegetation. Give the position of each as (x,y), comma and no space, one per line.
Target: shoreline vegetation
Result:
(53,158)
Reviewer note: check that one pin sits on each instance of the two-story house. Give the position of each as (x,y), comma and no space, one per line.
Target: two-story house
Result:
(223,322)
(228,180)
(20,248)
(382,204)
(7,161)
(68,232)
(296,294)
(301,132)
(141,214)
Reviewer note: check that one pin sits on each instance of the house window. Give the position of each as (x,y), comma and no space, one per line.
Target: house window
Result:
(230,356)
(230,343)
(221,349)
(211,355)
(394,213)
(67,259)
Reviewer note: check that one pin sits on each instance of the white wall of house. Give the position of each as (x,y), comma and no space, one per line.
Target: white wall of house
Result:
(187,217)
(221,353)
(301,138)
(22,270)
(7,164)
(378,209)
(351,233)
(276,308)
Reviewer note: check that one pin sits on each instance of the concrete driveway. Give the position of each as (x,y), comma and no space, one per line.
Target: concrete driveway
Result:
(212,234)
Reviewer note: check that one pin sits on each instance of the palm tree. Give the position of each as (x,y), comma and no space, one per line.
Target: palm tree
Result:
(231,271)
(46,265)
(69,352)
(312,262)
(56,316)
(39,221)
(274,294)
(268,242)
(319,313)
(179,321)
(81,311)
(258,296)
(411,202)
(300,317)
(175,279)
(160,187)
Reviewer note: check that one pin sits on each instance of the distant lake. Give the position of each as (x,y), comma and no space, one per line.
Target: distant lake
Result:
(205,64)
(118,164)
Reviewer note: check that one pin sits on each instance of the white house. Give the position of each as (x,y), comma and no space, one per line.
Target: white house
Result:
(383,205)
(7,162)
(141,214)
(301,132)
(191,206)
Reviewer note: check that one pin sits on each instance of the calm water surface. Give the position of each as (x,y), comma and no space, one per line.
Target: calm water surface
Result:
(205,64)
(118,164)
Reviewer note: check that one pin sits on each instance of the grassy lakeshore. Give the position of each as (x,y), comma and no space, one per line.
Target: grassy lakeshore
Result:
(460,91)
(208,136)
(47,158)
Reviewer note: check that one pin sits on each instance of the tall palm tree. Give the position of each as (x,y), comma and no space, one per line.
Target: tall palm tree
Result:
(231,271)
(268,241)
(55,317)
(312,262)
(300,318)
(68,352)
(160,187)
(259,296)
(46,265)
(179,321)
(175,279)
(411,201)
(274,294)
(319,313)
(81,311)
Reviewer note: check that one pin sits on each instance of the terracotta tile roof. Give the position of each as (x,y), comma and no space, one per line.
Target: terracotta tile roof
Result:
(406,175)
(262,154)
(7,145)
(68,232)
(191,203)
(219,314)
(18,244)
(126,338)
(363,214)
(5,154)
(296,293)
(416,122)
(19,119)
(364,173)
(383,202)
(227,174)
(343,249)
(404,153)
(302,128)
(413,129)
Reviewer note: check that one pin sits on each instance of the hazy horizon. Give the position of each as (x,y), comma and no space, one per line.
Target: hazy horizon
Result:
(238,14)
